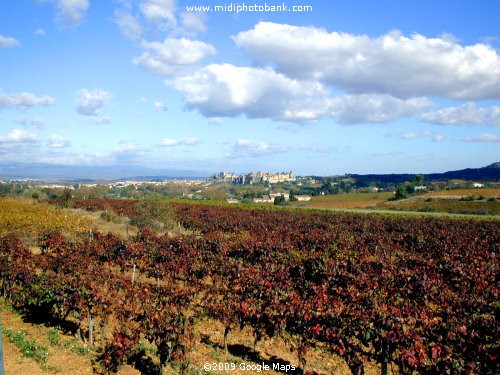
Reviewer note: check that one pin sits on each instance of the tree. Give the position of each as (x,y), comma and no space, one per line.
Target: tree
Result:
(280,200)
(418,180)
(401,192)
(155,213)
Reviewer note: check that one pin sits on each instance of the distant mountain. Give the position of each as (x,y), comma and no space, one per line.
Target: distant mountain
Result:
(490,173)
(45,171)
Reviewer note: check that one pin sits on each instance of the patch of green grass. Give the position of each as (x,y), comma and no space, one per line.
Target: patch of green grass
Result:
(54,369)
(29,348)
(76,347)
(53,336)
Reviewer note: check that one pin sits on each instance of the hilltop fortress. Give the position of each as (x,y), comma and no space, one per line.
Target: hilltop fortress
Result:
(255,178)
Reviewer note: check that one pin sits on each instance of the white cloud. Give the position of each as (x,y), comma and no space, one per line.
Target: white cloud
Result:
(244,148)
(70,12)
(466,114)
(438,138)
(19,145)
(412,135)
(416,135)
(17,136)
(485,137)
(227,90)
(40,32)
(56,141)
(24,100)
(215,120)
(89,103)
(169,142)
(193,22)
(419,66)
(8,42)
(129,25)
(161,12)
(171,55)
(160,107)
(354,109)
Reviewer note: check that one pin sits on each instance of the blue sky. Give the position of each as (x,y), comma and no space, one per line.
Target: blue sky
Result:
(347,87)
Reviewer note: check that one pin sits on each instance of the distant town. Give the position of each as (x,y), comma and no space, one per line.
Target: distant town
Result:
(280,188)
(255,178)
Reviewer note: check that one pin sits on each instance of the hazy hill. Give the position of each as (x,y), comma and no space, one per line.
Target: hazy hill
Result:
(71,172)
(489,173)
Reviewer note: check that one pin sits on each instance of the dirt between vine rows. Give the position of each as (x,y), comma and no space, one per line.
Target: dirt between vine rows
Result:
(62,360)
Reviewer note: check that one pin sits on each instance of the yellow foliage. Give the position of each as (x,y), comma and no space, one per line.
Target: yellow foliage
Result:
(27,218)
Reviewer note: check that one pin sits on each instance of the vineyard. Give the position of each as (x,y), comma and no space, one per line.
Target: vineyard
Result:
(29,219)
(418,295)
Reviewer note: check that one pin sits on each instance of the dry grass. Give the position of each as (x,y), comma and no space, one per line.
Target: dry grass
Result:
(453,206)
(459,193)
(351,200)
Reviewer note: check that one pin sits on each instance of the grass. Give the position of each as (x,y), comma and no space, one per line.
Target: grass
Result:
(478,207)
(53,337)
(488,193)
(348,200)
(29,348)
(76,346)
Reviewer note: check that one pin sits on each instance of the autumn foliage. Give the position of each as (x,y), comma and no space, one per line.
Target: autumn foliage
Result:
(417,293)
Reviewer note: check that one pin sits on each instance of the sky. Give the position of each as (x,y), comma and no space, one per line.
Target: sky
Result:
(309,86)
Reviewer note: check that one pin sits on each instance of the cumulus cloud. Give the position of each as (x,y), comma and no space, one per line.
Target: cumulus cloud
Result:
(129,25)
(56,141)
(172,55)
(70,12)
(412,135)
(161,12)
(169,142)
(8,42)
(485,137)
(466,114)
(89,102)
(160,107)
(25,100)
(193,22)
(17,136)
(19,145)
(419,66)
(355,109)
(222,90)
(138,20)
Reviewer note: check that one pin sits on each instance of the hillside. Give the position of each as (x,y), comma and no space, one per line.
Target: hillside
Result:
(490,173)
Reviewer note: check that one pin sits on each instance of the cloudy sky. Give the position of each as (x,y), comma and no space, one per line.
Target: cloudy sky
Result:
(356,86)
